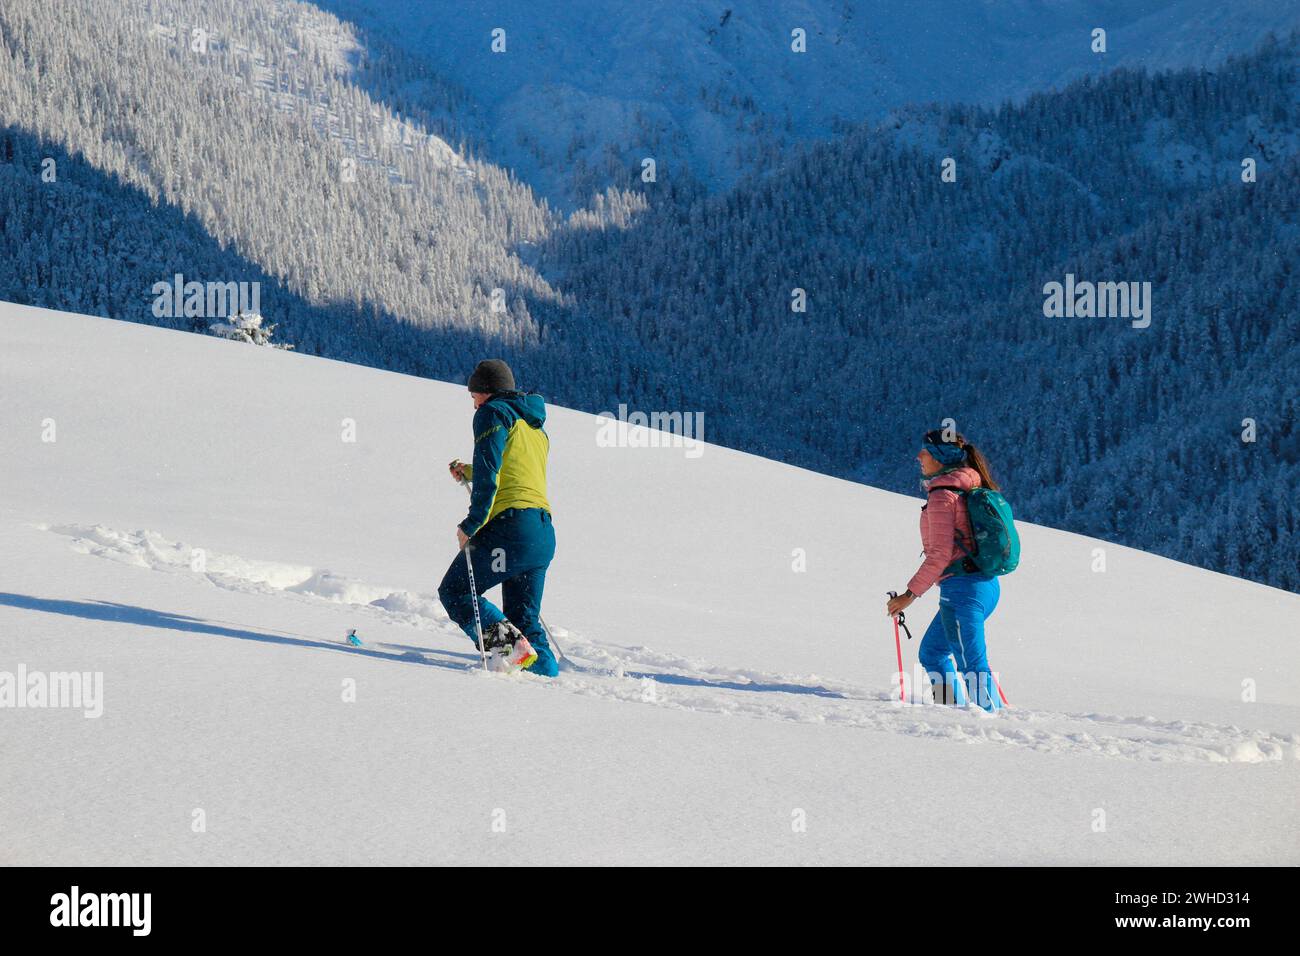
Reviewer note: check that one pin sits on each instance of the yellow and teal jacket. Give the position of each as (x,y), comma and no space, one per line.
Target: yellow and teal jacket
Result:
(510,449)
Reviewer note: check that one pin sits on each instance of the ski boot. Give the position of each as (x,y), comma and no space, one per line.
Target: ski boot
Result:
(949,691)
(506,644)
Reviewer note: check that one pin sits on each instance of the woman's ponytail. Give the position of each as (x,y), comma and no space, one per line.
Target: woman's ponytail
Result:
(977,461)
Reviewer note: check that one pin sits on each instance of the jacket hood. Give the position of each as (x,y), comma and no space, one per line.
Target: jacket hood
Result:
(962,479)
(530,406)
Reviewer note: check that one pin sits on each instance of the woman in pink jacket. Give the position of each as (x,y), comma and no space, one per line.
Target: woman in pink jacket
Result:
(953,651)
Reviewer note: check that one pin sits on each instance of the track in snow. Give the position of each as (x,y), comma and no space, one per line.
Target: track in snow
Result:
(653,678)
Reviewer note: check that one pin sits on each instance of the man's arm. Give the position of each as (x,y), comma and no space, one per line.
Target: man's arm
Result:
(489,445)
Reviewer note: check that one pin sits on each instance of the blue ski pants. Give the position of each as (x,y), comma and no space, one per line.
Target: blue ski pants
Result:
(953,650)
(513,550)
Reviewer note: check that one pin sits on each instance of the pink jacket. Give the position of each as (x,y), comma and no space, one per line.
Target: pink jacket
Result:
(943,519)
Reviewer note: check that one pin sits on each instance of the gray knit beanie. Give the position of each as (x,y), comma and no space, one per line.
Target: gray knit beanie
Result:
(492,376)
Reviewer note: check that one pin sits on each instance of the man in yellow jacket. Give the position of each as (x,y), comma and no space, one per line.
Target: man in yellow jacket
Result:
(508,529)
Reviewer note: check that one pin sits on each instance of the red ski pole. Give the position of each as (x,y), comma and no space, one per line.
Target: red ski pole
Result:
(898,646)
(1005,702)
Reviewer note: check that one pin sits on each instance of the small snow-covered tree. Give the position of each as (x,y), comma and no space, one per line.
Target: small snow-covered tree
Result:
(247,327)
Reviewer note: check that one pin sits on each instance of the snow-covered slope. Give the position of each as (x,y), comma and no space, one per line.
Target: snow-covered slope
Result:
(720,696)
(714,86)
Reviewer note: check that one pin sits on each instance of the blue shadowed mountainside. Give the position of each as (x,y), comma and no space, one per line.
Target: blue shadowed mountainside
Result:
(364,183)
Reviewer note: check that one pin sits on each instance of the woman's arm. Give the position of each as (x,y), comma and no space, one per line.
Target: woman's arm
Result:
(939,527)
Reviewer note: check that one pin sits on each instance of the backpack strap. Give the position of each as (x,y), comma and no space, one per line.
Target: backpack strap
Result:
(955,491)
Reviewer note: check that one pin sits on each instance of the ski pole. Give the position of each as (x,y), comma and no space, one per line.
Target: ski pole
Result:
(473,589)
(473,596)
(898,646)
(1005,702)
(551,637)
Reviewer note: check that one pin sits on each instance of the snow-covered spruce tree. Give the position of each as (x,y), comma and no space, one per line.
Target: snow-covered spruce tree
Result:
(247,327)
